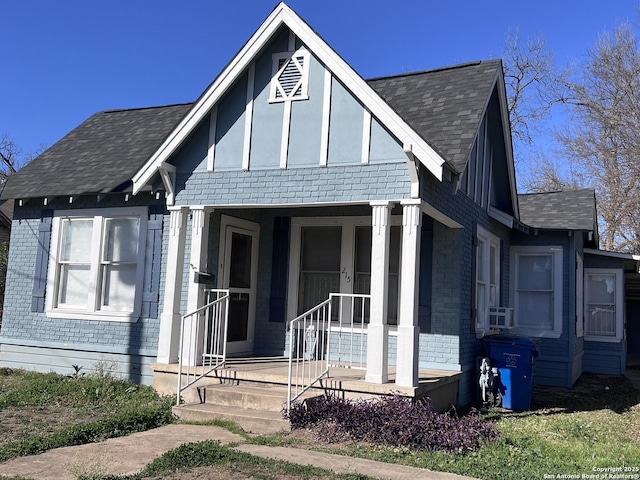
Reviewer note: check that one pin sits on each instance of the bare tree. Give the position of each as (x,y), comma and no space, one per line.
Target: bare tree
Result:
(12,158)
(547,176)
(531,83)
(603,137)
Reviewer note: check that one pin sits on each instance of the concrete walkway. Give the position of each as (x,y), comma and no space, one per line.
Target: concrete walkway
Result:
(128,455)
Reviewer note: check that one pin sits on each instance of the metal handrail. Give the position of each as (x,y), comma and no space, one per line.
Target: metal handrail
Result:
(209,337)
(311,347)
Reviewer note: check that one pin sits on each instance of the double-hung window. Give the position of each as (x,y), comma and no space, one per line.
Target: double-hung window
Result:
(537,278)
(487,279)
(96,264)
(603,300)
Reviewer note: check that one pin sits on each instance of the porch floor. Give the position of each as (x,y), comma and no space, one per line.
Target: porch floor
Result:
(275,370)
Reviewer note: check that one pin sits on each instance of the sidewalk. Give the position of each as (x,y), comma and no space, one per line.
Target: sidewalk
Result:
(128,455)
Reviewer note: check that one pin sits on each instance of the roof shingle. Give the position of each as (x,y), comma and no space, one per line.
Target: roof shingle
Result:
(565,210)
(444,106)
(100,155)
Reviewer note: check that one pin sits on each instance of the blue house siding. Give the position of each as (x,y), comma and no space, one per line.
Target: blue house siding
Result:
(557,363)
(345,184)
(451,341)
(604,357)
(33,340)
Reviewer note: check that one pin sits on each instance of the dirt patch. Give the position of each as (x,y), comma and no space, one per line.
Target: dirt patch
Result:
(20,423)
(225,473)
(590,392)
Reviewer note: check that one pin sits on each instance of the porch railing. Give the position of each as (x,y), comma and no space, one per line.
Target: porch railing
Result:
(330,335)
(203,340)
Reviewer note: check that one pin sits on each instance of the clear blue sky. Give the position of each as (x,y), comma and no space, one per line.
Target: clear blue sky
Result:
(67,59)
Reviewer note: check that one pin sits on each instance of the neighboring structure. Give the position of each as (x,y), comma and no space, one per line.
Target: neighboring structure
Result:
(290,178)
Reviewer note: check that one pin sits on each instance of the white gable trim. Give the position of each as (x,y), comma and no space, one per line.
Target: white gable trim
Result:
(283,15)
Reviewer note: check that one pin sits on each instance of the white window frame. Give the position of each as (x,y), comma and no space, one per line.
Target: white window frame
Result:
(491,293)
(92,309)
(277,70)
(348,225)
(619,304)
(556,253)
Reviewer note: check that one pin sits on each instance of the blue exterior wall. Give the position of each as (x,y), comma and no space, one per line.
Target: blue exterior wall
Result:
(34,341)
(555,365)
(604,357)
(449,341)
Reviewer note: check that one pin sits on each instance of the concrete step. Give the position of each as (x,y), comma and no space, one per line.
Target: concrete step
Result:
(252,421)
(256,397)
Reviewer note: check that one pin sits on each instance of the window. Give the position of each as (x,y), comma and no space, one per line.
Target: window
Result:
(603,294)
(96,266)
(538,290)
(487,280)
(290,76)
(333,255)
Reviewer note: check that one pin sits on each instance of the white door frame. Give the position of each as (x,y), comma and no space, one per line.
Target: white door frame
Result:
(229,225)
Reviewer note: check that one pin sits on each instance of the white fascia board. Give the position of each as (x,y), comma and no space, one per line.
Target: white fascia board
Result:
(283,15)
(606,253)
(357,85)
(500,216)
(506,129)
(436,214)
(210,97)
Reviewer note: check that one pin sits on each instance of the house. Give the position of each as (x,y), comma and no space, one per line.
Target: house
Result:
(290,179)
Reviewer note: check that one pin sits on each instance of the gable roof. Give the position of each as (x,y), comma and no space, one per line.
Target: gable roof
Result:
(445,106)
(282,15)
(100,155)
(563,210)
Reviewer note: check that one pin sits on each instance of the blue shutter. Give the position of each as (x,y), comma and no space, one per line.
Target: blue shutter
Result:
(426,272)
(42,262)
(152,257)
(279,270)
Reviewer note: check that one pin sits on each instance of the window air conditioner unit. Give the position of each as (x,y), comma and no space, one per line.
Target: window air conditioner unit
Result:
(501,317)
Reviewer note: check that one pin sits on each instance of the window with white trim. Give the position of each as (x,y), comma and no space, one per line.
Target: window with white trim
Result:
(603,304)
(537,279)
(290,79)
(96,266)
(487,280)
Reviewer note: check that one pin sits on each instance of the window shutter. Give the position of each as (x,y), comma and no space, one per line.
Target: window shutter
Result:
(425,280)
(279,270)
(153,255)
(42,262)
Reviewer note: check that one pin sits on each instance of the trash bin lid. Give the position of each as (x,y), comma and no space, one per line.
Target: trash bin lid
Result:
(520,342)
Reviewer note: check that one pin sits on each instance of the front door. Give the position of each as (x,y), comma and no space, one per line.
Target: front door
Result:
(238,270)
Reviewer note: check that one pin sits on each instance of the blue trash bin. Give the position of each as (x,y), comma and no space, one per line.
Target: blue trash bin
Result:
(513,357)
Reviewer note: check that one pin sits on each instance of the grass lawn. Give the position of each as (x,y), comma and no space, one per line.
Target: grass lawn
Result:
(568,431)
(594,425)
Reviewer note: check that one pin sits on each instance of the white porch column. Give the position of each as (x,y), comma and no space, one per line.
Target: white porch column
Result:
(378,330)
(408,329)
(169,337)
(195,295)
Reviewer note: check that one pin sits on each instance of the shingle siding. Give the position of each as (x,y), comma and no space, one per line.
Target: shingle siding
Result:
(361,183)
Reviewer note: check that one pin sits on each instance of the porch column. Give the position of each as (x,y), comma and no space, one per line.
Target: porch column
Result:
(408,329)
(198,261)
(378,330)
(169,336)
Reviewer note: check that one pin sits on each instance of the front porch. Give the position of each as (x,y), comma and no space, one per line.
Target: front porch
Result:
(256,388)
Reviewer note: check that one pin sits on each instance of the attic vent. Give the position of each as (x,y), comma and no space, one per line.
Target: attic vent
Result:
(290,76)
